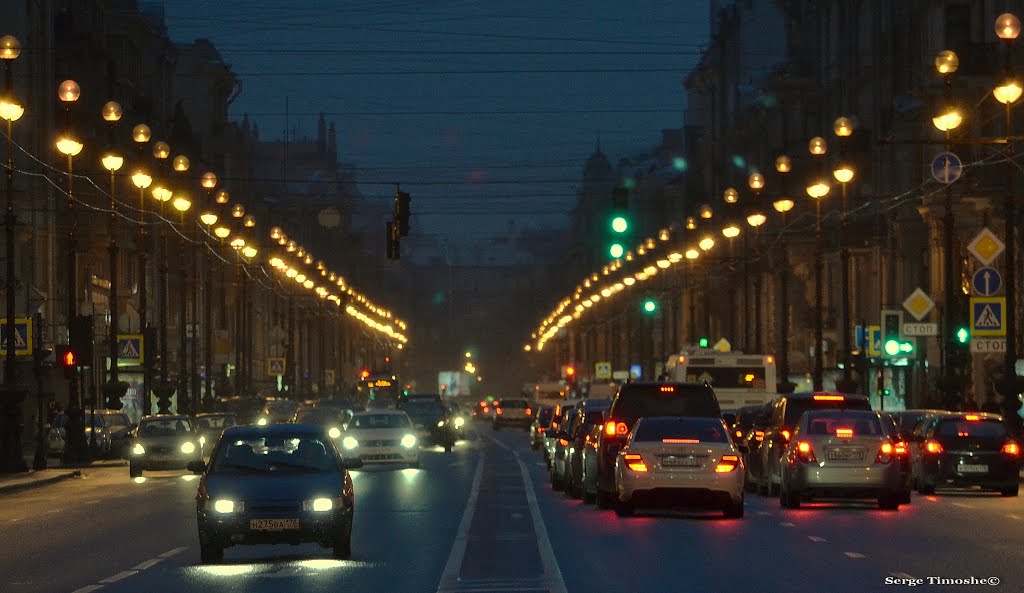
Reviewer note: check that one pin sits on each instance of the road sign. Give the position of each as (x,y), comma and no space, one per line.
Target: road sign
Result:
(602,370)
(947,168)
(874,340)
(986,246)
(986,281)
(918,304)
(22,336)
(130,349)
(987,316)
(275,366)
(920,329)
(722,345)
(988,345)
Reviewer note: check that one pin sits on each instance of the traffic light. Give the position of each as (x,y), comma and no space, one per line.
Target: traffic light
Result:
(649,306)
(392,236)
(80,338)
(892,325)
(618,223)
(962,335)
(67,359)
(402,201)
(704,343)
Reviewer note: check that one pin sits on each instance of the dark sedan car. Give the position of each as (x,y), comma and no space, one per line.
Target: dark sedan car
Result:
(275,484)
(434,424)
(965,450)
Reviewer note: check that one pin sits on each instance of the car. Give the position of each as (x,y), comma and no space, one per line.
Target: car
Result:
(277,411)
(432,422)
(559,417)
(743,426)
(512,412)
(333,419)
(541,423)
(163,441)
(906,420)
(679,461)
(591,413)
(208,427)
(274,484)
(559,447)
(588,465)
(785,415)
(112,430)
(246,409)
(968,449)
(636,400)
(347,407)
(382,436)
(752,426)
(844,453)
(482,411)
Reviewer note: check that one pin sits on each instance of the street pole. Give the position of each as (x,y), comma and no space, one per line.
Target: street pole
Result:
(1010,320)
(147,366)
(819,312)
(194,291)
(113,252)
(746,294)
(784,306)
(208,323)
(183,377)
(844,264)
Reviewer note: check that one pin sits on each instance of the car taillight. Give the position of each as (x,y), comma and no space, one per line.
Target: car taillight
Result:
(497,411)
(900,448)
(844,433)
(727,464)
(805,453)
(739,434)
(529,411)
(563,442)
(681,441)
(785,436)
(1011,448)
(932,447)
(541,429)
(635,462)
(759,435)
(972,417)
(885,453)
(612,428)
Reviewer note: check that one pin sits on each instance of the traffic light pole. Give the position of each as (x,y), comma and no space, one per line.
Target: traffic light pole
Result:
(75,451)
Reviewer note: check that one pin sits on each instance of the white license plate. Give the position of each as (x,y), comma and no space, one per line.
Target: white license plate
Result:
(161,458)
(845,454)
(686,461)
(972,468)
(273,524)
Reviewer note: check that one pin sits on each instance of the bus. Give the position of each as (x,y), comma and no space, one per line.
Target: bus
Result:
(380,390)
(738,379)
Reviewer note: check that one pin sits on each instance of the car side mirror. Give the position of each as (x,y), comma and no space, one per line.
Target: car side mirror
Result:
(196,467)
(743,449)
(354,463)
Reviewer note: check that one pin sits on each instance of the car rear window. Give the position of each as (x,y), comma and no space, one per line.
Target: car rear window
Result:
(977,429)
(545,415)
(795,407)
(844,426)
(642,400)
(696,430)
(513,403)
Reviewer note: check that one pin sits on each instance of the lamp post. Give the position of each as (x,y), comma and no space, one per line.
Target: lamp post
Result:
(209,217)
(818,189)
(783,204)
(755,218)
(162,193)
(731,230)
(67,143)
(843,173)
(113,161)
(11,110)
(142,179)
(182,203)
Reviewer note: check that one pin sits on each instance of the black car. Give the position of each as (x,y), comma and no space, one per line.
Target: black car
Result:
(637,400)
(434,424)
(274,484)
(541,423)
(591,413)
(963,450)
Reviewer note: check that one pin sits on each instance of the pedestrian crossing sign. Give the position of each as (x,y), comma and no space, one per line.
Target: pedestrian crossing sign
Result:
(130,349)
(275,366)
(987,316)
(22,336)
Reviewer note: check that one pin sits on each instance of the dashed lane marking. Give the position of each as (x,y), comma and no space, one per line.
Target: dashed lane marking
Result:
(854,555)
(87,589)
(117,577)
(541,464)
(553,574)
(450,576)
(173,552)
(931,499)
(787,524)
(763,513)
(500,444)
(962,505)
(816,538)
(147,564)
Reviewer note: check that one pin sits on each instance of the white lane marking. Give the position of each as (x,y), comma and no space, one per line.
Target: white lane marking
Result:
(962,505)
(87,589)
(541,464)
(16,519)
(117,577)
(547,554)
(170,553)
(500,444)
(787,524)
(51,511)
(901,575)
(763,513)
(450,576)
(147,564)
(816,538)
(1015,517)
(93,501)
(854,555)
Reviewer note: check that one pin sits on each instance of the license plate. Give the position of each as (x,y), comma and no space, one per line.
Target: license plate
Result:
(684,461)
(845,454)
(273,524)
(972,468)
(161,457)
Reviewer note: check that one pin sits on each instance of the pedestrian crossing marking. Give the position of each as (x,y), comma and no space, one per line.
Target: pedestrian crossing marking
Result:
(22,336)
(987,316)
(130,348)
(275,367)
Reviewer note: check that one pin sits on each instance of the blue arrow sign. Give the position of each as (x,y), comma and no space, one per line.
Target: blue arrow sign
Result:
(946,168)
(986,281)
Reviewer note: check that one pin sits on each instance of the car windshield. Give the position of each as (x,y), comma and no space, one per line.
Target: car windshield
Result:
(264,454)
(205,423)
(367,421)
(544,416)
(976,429)
(844,425)
(696,430)
(164,427)
(280,408)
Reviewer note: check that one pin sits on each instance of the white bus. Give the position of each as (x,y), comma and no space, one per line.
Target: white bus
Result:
(738,379)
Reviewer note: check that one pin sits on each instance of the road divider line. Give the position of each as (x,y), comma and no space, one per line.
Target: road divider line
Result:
(854,555)
(147,564)
(173,552)
(117,577)
(816,539)
(787,524)
(93,501)
(962,505)
(87,589)
(499,443)
(1015,517)
(547,555)
(450,576)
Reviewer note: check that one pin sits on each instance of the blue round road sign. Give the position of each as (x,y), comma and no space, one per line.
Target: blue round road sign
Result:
(986,281)
(946,168)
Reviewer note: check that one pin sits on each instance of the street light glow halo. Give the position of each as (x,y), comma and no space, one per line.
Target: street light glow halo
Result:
(1007,26)
(10,47)
(947,62)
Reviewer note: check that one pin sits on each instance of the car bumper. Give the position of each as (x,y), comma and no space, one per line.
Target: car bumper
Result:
(159,462)
(236,529)
(682,486)
(947,471)
(385,454)
(846,482)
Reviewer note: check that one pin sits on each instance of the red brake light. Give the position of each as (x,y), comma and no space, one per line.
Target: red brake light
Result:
(684,441)
(885,453)
(609,428)
(805,453)
(635,462)
(529,411)
(667,388)
(758,435)
(829,398)
(563,442)
(541,429)
(727,464)
(785,435)
(901,448)
(1011,448)
(972,417)
(844,433)
(932,447)
(497,411)
(739,434)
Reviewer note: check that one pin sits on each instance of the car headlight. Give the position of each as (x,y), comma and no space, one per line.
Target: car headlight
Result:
(350,443)
(262,422)
(187,448)
(319,505)
(138,449)
(459,421)
(202,441)
(409,441)
(224,505)
(440,423)
(334,432)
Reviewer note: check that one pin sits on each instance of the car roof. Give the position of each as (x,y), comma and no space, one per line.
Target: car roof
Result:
(692,384)
(595,404)
(277,429)
(980,415)
(380,412)
(845,412)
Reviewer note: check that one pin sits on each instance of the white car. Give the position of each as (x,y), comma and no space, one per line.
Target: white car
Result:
(382,436)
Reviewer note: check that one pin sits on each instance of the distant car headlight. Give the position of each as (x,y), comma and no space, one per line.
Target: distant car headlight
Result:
(334,432)
(350,443)
(319,505)
(225,505)
(188,448)
(440,423)
(202,441)
(459,421)
(262,422)
(138,449)
(409,441)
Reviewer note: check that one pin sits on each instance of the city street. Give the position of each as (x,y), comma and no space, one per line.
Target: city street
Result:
(415,533)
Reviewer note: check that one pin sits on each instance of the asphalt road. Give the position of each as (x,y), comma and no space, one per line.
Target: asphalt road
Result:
(483,519)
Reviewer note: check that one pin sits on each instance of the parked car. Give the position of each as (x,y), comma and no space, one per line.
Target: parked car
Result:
(969,449)
(559,448)
(163,441)
(112,430)
(591,413)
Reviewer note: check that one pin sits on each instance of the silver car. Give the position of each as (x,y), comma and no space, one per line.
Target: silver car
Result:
(844,454)
(164,441)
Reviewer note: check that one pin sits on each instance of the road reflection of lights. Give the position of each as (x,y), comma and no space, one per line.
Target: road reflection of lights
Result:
(139,480)
(410,475)
(227,570)
(321,563)
(190,478)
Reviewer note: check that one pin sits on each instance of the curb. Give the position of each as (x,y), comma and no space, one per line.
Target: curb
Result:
(28,485)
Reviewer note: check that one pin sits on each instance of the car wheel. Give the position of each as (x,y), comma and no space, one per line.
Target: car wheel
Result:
(210,553)
(134,470)
(1011,491)
(734,510)
(448,447)
(889,503)
(624,509)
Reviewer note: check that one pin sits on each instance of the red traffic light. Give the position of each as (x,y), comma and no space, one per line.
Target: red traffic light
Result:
(69,359)
(570,371)
(364,374)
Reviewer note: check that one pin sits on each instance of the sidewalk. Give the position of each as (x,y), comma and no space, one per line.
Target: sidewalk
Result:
(55,472)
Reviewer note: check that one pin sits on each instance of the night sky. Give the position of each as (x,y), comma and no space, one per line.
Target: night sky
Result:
(484,110)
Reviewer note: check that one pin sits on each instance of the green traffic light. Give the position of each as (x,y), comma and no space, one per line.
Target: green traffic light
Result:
(650,306)
(963,335)
(892,347)
(616,250)
(906,347)
(620,224)
(703,342)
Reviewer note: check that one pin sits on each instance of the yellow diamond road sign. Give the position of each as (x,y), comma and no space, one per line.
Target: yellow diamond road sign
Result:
(918,304)
(986,246)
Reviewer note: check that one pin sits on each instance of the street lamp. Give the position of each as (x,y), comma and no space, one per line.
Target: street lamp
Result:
(182,202)
(816,190)
(113,161)
(162,193)
(209,217)
(755,218)
(843,173)
(783,204)
(11,110)
(142,179)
